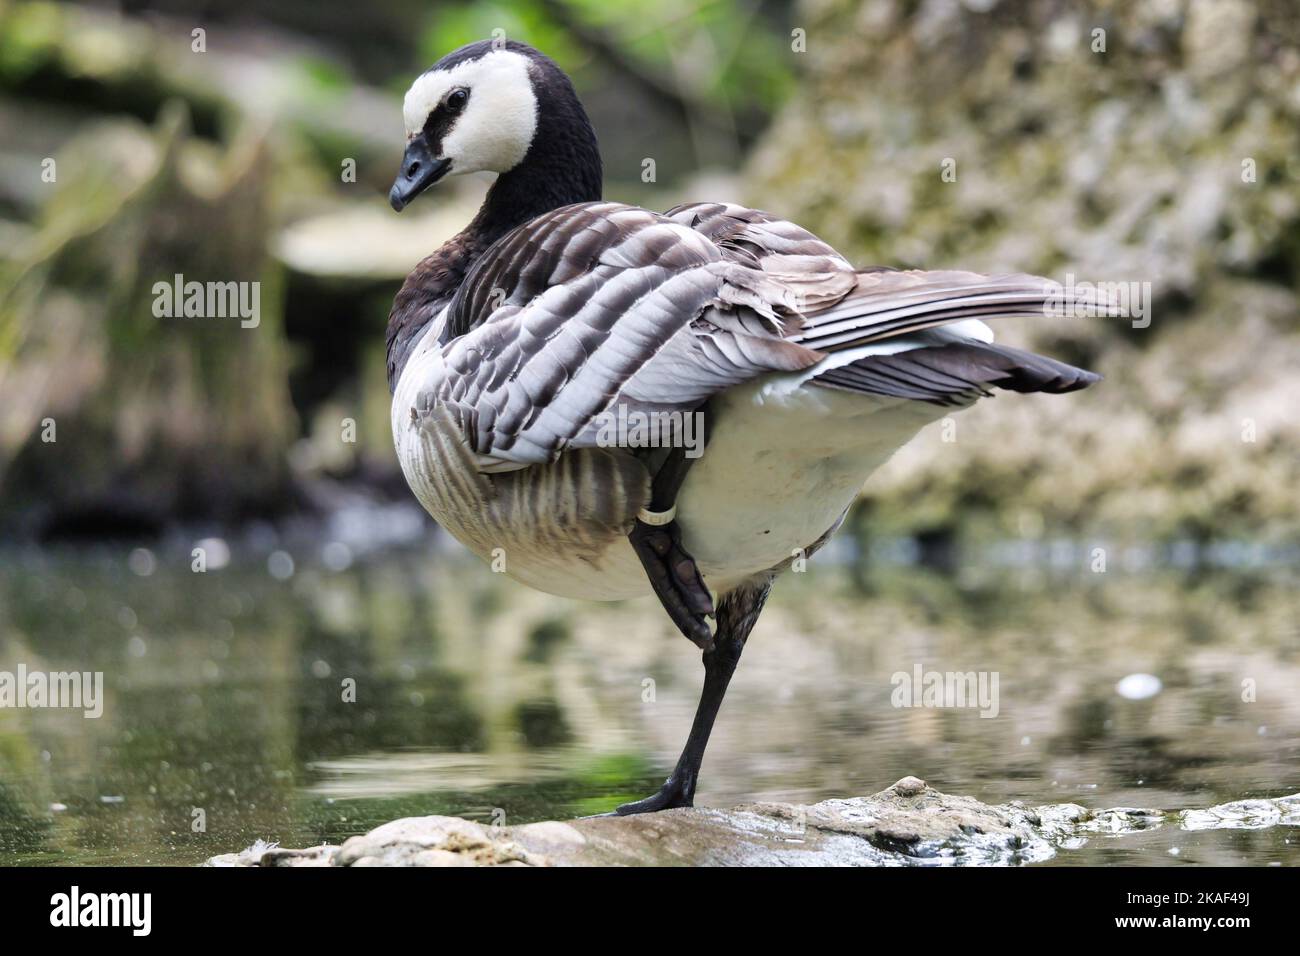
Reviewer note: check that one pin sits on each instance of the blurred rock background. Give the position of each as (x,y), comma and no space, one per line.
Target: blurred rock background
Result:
(1151,141)
(1162,149)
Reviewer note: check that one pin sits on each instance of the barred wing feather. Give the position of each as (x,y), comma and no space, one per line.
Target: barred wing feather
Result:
(601,304)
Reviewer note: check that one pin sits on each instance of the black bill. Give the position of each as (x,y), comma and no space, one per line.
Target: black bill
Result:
(419,171)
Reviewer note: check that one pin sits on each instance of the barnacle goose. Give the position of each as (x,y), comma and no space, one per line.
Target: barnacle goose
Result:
(511,346)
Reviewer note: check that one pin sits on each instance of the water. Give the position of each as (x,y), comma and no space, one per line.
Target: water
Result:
(226,721)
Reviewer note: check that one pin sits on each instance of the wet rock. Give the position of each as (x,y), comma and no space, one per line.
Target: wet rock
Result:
(433,841)
(1244,815)
(909,787)
(908,824)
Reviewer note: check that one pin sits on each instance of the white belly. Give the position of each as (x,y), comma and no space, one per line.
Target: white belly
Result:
(781,466)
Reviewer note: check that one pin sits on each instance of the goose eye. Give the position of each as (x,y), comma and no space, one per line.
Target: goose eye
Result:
(457,99)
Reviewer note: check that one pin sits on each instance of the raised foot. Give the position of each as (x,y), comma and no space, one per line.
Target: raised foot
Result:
(674,793)
(675,579)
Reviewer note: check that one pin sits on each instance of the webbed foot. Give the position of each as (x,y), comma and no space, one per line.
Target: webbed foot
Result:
(675,792)
(675,579)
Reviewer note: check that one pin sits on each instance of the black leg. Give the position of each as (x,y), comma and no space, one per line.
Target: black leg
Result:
(737,613)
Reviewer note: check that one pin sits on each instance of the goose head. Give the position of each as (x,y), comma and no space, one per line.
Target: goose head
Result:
(494,106)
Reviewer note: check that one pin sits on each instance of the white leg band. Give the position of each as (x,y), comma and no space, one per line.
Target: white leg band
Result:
(657,518)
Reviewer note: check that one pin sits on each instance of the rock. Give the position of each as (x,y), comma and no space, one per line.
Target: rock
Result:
(433,841)
(909,787)
(909,824)
(364,241)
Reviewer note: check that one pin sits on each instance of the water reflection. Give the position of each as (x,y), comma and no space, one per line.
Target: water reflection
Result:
(311,705)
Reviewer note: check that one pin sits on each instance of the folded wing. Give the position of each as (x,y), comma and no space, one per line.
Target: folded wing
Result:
(601,305)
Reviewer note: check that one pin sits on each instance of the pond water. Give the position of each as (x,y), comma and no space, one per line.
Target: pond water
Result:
(308,694)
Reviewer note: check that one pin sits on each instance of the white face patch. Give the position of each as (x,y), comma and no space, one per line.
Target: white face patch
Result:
(497,126)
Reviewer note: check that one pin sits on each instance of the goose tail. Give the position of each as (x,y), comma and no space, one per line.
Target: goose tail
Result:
(956,373)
